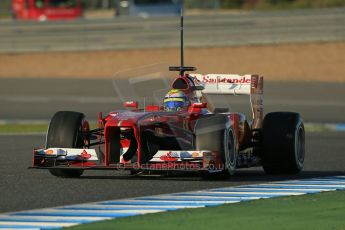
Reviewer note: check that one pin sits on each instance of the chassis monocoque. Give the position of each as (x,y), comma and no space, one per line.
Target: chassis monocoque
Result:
(193,140)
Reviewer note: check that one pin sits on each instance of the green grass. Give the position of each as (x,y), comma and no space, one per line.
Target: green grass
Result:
(318,127)
(23,128)
(317,211)
(28,128)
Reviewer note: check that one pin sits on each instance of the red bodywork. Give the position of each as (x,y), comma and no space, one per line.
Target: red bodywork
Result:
(31,10)
(178,124)
(122,135)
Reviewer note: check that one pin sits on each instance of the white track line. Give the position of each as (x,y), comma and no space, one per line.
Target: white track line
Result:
(71,215)
(37,224)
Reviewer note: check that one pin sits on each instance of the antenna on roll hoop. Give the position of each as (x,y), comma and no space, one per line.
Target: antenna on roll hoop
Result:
(182,68)
(181,44)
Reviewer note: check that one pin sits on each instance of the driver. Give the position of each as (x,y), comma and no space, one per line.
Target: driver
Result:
(175,100)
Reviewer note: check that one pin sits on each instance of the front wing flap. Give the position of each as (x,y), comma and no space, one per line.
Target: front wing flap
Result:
(62,156)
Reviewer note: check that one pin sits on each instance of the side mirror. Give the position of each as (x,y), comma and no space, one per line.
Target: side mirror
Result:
(200,105)
(197,107)
(152,108)
(131,104)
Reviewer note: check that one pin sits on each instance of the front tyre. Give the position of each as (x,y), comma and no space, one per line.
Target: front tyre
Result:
(66,131)
(215,133)
(283,143)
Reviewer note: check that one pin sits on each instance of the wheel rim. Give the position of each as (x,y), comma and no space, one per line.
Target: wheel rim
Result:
(231,152)
(81,140)
(299,145)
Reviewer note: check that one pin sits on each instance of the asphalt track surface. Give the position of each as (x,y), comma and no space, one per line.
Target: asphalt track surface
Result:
(23,189)
(215,29)
(38,99)
(41,98)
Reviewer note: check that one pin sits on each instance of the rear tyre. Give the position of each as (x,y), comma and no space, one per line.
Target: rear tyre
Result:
(65,131)
(215,133)
(283,143)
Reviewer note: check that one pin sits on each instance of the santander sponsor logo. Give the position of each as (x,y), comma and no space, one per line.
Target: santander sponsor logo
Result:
(220,79)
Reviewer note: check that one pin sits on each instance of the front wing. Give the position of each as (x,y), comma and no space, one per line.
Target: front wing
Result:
(163,160)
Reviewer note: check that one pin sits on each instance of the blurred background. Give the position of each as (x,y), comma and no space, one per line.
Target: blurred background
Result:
(73,54)
(62,54)
(111,6)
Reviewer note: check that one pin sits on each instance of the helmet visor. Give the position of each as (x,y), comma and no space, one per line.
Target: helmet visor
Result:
(173,105)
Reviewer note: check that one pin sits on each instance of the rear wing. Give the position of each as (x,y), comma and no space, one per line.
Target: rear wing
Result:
(233,84)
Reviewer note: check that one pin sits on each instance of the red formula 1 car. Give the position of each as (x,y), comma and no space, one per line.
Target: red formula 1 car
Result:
(187,137)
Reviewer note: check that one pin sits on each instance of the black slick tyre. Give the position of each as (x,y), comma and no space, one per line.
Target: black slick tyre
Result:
(65,131)
(283,142)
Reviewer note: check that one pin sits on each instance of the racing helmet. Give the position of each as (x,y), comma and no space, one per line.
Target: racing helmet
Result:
(175,100)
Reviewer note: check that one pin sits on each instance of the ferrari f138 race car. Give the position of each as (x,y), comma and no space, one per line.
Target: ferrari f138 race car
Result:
(179,135)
